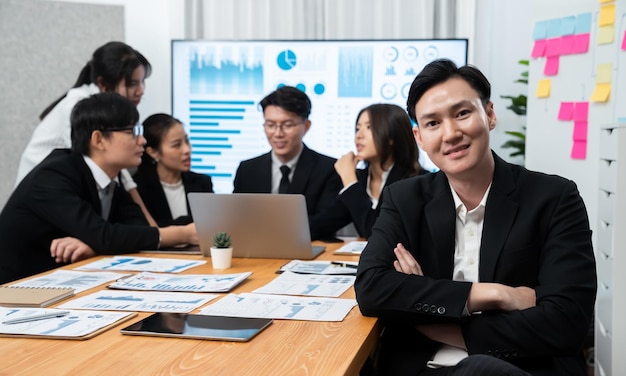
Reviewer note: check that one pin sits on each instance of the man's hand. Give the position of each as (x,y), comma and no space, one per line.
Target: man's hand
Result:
(489,296)
(68,250)
(405,262)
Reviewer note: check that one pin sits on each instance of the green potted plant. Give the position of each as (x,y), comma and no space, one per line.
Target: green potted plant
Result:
(221,251)
(518,105)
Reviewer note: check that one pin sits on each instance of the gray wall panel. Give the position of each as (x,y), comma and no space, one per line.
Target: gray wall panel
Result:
(43,47)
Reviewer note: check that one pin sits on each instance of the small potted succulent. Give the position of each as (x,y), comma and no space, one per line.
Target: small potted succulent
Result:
(221,251)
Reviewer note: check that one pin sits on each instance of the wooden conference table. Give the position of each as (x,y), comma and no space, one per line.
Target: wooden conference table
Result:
(287,347)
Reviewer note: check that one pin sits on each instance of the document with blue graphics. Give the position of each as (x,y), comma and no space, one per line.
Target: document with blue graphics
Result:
(57,324)
(320,267)
(147,281)
(280,307)
(79,281)
(112,300)
(289,283)
(142,264)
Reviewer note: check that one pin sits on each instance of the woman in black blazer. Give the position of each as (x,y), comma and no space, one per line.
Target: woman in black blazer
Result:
(164,177)
(386,147)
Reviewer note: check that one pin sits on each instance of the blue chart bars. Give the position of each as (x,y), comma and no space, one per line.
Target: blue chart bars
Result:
(226,71)
(355,71)
(209,136)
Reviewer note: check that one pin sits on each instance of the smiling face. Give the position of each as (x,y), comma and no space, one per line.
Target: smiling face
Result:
(364,140)
(174,154)
(285,140)
(454,129)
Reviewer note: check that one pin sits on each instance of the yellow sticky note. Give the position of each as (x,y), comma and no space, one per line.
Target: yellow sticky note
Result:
(604,74)
(606,34)
(601,93)
(543,89)
(607,15)
(605,1)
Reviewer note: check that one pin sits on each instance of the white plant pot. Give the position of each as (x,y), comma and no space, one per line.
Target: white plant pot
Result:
(221,258)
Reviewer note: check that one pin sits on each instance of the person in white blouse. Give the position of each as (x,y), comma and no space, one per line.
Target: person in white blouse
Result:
(164,177)
(114,67)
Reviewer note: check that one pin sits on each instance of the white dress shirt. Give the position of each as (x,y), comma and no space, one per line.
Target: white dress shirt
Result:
(467,239)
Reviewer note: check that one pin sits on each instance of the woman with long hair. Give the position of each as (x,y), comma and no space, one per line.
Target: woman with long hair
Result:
(387,149)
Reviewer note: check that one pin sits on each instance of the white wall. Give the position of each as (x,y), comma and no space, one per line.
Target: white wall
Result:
(150,25)
(503,36)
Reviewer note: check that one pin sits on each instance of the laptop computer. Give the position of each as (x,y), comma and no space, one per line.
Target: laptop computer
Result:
(262,225)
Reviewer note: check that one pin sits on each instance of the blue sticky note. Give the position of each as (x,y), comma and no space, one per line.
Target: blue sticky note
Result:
(554,28)
(568,25)
(540,31)
(583,23)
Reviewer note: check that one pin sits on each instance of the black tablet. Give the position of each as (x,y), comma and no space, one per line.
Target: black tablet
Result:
(184,325)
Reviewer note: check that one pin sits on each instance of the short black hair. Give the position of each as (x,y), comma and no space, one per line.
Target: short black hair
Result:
(100,112)
(290,99)
(442,70)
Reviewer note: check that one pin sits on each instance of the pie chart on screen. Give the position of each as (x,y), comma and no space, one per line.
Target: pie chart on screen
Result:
(286,60)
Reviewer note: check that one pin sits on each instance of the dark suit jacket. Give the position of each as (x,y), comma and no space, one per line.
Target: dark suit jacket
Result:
(314,177)
(354,205)
(151,192)
(59,198)
(536,234)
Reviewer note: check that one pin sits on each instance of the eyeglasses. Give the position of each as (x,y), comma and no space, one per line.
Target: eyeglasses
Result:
(137,130)
(288,126)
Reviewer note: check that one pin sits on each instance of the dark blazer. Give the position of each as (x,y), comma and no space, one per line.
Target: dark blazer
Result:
(151,192)
(314,177)
(536,234)
(354,205)
(59,198)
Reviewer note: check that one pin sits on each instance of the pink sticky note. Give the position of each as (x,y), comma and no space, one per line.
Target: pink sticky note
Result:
(553,47)
(581,43)
(624,41)
(552,66)
(580,131)
(567,44)
(581,111)
(579,150)
(539,49)
(566,111)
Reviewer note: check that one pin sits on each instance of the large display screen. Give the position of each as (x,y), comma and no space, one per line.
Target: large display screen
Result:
(217,85)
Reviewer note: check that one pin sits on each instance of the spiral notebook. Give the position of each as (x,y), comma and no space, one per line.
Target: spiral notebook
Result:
(16,296)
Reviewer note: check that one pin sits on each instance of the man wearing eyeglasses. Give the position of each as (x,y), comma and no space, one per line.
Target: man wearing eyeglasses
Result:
(291,167)
(72,206)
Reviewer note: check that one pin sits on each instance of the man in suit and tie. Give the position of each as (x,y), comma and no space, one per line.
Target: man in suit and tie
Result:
(484,268)
(291,167)
(71,206)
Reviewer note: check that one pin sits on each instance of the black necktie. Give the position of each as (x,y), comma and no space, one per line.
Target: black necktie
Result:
(284,181)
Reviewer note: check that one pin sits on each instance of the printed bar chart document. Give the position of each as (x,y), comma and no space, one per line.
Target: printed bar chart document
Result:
(147,281)
(280,307)
(58,324)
